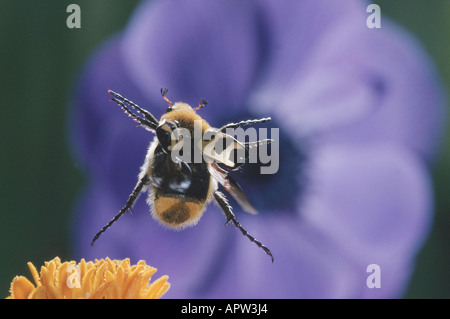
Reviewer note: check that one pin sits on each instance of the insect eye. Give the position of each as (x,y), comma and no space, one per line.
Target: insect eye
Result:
(164,133)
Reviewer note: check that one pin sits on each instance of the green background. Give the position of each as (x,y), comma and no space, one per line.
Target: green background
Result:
(40,60)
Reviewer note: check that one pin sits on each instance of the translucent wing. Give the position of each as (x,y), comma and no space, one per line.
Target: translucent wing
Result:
(231,186)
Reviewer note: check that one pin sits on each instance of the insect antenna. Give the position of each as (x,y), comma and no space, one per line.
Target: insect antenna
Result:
(164,93)
(226,208)
(134,195)
(201,104)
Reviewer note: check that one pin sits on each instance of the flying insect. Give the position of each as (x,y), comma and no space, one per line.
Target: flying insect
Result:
(179,188)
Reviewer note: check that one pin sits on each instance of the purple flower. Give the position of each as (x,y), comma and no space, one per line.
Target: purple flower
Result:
(359,112)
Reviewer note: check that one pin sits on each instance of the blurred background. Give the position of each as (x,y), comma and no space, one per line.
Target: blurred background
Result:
(40,60)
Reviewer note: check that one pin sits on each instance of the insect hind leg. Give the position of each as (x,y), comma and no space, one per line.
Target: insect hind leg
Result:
(226,208)
(129,204)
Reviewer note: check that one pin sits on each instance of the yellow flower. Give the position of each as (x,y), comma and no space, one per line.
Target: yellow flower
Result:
(104,278)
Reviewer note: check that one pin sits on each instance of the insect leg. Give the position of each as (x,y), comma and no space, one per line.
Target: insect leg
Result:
(243,123)
(147,124)
(223,203)
(134,195)
(146,113)
(258,143)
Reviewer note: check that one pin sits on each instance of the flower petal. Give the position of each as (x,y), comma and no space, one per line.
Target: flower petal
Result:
(305,266)
(357,85)
(189,256)
(374,203)
(97,124)
(296,32)
(366,98)
(21,288)
(367,205)
(204,49)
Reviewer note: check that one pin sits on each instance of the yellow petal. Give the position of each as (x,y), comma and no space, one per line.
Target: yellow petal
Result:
(34,273)
(104,278)
(158,288)
(39,293)
(21,288)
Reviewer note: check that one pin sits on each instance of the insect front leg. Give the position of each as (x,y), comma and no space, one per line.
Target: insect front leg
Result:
(147,124)
(153,121)
(129,204)
(227,210)
(243,123)
(258,143)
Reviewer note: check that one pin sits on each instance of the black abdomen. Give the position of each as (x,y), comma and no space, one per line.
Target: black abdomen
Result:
(184,179)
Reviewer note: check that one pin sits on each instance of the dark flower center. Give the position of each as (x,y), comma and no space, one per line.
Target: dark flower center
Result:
(272,192)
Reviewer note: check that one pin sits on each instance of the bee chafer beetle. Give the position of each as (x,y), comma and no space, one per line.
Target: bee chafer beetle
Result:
(179,184)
